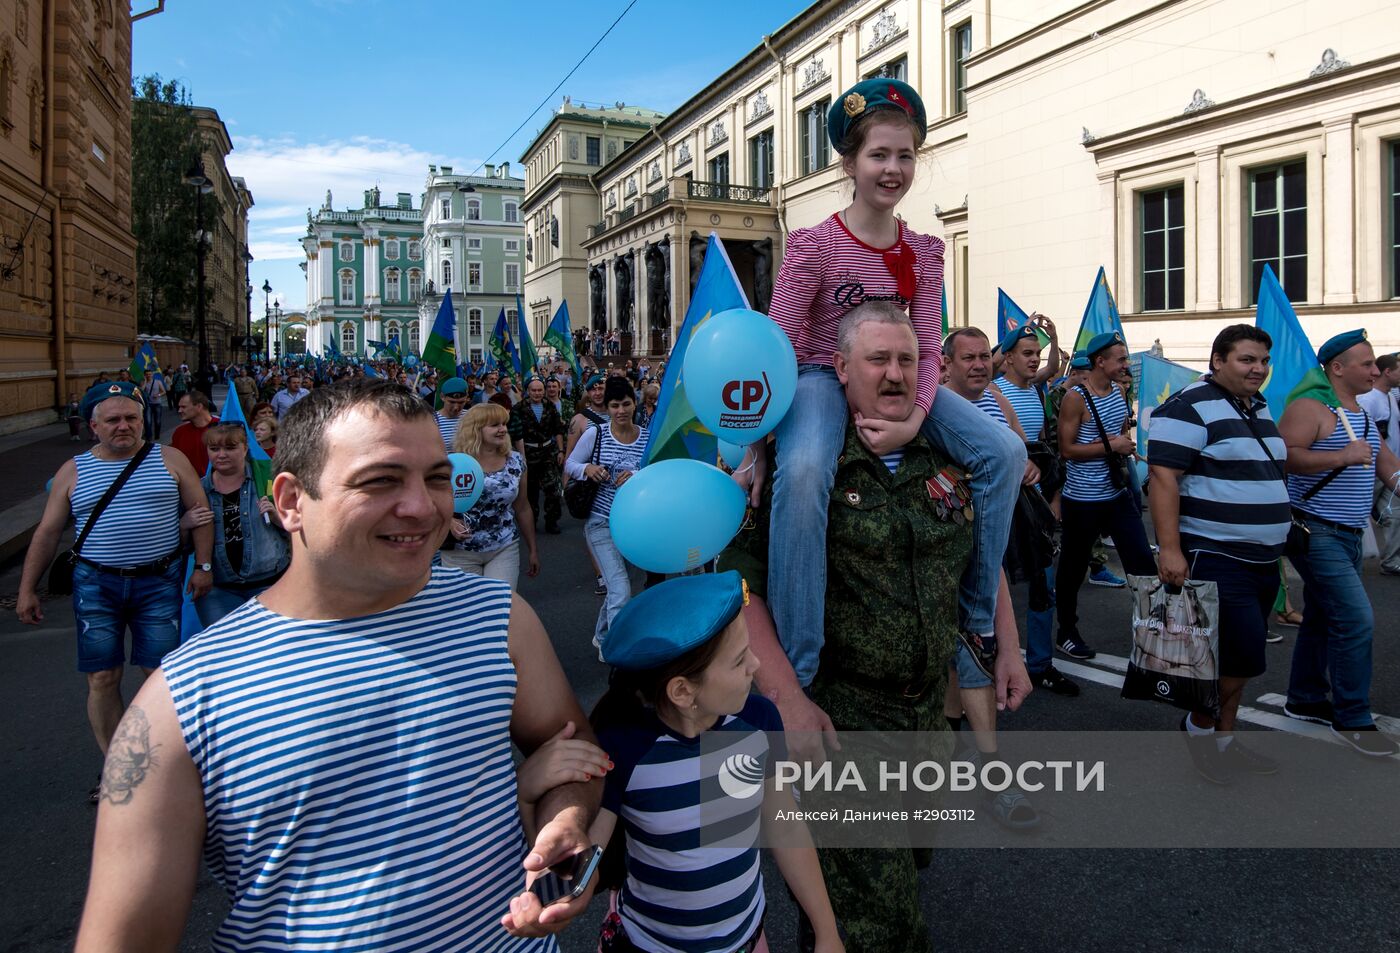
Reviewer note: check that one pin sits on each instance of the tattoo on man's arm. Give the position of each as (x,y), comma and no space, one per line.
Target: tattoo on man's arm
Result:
(129,757)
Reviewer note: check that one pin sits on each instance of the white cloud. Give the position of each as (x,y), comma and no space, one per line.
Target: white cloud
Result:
(272,251)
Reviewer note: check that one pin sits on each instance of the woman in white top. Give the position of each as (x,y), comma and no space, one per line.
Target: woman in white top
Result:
(487,537)
(620,444)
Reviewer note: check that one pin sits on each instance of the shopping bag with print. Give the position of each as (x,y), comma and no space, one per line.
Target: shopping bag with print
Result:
(1175,641)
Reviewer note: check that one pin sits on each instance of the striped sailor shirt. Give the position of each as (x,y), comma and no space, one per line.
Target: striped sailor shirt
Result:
(359,789)
(141,524)
(1234,498)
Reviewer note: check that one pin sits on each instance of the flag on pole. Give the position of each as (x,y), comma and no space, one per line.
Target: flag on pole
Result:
(529,357)
(1293,368)
(1158,380)
(441,350)
(371,372)
(560,336)
(258,459)
(1100,314)
(333,350)
(144,362)
(675,432)
(502,345)
(1011,316)
(944,325)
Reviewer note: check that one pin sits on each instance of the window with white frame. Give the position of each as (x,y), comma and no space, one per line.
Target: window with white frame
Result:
(392,331)
(960,39)
(474,210)
(447,244)
(391,249)
(894,69)
(476,355)
(1394,190)
(512,212)
(1278,227)
(1162,248)
(413,337)
(347,286)
(473,320)
(512,245)
(445,207)
(813,147)
(415,284)
(446,273)
(415,250)
(512,277)
(761,159)
(347,251)
(391,284)
(513,321)
(473,276)
(347,338)
(473,244)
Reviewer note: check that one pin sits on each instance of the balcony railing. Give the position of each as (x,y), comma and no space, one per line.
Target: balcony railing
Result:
(629,212)
(659,197)
(598,229)
(727,192)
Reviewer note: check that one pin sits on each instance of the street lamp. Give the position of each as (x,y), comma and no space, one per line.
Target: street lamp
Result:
(277,325)
(267,314)
(196,179)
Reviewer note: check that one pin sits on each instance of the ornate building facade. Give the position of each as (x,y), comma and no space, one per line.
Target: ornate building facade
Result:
(365,274)
(474,243)
(67,256)
(1181,145)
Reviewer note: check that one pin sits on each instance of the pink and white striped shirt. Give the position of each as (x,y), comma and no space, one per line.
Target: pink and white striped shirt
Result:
(827,271)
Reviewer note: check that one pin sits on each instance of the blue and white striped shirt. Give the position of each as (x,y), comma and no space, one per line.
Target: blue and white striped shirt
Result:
(1026,402)
(693,880)
(1087,481)
(141,524)
(447,426)
(1234,499)
(359,789)
(893,459)
(614,456)
(987,403)
(1347,499)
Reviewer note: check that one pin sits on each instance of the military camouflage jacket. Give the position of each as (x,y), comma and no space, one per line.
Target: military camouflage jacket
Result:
(524,426)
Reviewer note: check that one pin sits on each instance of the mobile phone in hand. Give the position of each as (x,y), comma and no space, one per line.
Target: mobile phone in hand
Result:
(568,879)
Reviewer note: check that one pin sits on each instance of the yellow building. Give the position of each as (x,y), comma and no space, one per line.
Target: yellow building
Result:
(226,285)
(1181,145)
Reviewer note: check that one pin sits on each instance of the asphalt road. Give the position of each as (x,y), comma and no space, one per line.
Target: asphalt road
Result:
(1008,899)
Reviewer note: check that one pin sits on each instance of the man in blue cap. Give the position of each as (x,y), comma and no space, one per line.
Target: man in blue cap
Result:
(1023,377)
(1097,497)
(1335,454)
(130,560)
(449,416)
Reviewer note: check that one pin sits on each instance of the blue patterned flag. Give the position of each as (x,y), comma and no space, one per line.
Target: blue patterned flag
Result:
(529,357)
(502,345)
(1011,316)
(144,363)
(1100,314)
(675,432)
(1292,357)
(1157,380)
(561,337)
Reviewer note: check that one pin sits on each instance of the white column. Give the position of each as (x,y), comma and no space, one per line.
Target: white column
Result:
(1338,212)
(1207,226)
(328,258)
(371,269)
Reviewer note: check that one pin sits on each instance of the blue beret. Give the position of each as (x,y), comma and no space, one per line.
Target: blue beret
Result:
(97,393)
(867,95)
(666,621)
(1345,341)
(595,379)
(454,385)
(1079,362)
(1015,336)
(1101,342)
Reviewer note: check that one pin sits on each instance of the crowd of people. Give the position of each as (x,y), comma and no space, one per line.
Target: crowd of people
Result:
(338,739)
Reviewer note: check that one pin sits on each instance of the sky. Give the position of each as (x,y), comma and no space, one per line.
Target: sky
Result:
(348,94)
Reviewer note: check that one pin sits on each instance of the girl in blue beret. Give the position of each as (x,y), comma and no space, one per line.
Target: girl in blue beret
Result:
(866,252)
(680,688)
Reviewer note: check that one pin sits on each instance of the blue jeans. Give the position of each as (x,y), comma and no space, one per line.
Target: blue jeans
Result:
(217,603)
(106,606)
(1335,635)
(1040,625)
(598,535)
(809,440)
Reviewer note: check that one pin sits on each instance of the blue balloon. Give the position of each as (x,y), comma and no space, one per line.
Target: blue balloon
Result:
(467,481)
(410,361)
(731,453)
(676,515)
(740,375)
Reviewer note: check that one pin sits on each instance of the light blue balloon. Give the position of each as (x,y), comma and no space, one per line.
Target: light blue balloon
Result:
(467,481)
(740,375)
(410,361)
(675,515)
(731,453)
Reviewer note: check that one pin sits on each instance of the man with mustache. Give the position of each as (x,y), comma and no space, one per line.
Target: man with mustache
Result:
(1220,509)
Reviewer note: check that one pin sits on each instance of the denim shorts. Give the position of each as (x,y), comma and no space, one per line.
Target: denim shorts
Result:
(106,606)
(969,675)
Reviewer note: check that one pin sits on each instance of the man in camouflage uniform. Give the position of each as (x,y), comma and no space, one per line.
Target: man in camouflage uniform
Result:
(554,394)
(895,553)
(537,431)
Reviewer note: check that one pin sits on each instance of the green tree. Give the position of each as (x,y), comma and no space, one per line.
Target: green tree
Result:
(166,144)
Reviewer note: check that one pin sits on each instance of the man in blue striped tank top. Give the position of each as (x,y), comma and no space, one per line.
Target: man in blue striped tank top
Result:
(1335,454)
(130,567)
(1096,500)
(340,746)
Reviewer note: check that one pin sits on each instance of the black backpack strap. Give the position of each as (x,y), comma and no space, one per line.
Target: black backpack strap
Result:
(111,493)
(1094,412)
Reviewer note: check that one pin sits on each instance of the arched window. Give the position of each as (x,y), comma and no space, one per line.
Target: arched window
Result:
(347,251)
(446,273)
(473,320)
(392,330)
(415,250)
(512,212)
(415,284)
(347,286)
(391,249)
(347,338)
(474,209)
(391,285)
(413,336)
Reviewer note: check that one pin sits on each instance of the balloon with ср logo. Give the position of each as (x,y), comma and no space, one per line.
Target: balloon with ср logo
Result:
(740,375)
(467,480)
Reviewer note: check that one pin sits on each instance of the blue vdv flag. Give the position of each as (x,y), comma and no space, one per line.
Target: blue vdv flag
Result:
(1292,355)
(675,432)
(560,336)
(1100,314)
(1158,380)
(1010,315)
